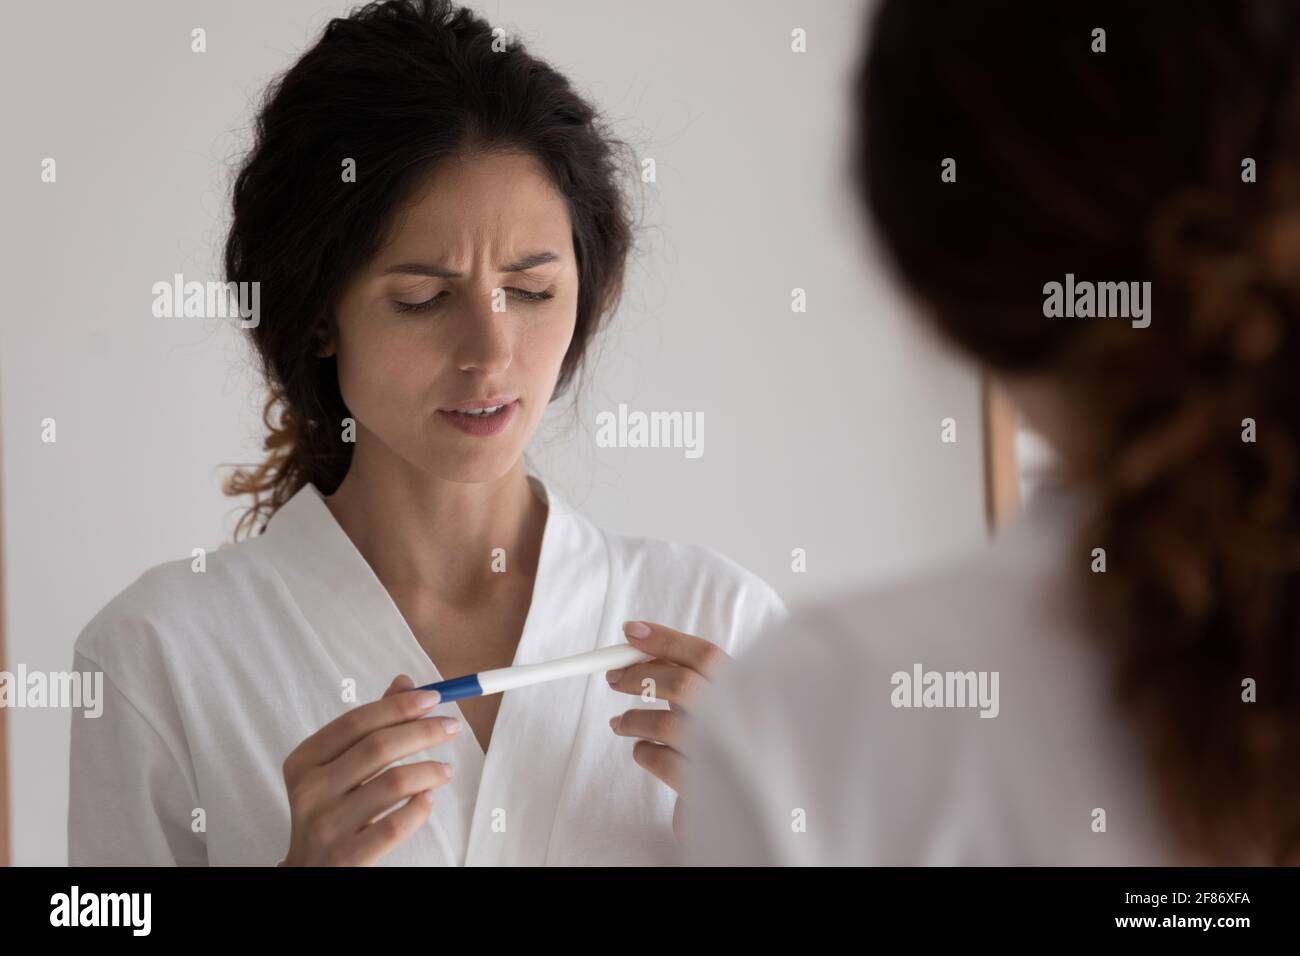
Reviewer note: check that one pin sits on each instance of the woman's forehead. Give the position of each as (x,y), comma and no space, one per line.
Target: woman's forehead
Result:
(504,202)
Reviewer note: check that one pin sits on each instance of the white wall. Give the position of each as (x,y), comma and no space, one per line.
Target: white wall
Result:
(821,429)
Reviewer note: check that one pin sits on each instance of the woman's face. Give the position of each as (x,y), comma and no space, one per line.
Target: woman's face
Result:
(472,301)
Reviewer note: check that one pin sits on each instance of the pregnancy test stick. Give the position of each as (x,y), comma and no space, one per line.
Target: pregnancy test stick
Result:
(501,679)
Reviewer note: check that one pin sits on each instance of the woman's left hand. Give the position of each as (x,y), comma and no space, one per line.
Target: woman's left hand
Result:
(682,665)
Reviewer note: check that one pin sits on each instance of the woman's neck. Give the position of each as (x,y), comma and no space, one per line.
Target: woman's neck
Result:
(436,537)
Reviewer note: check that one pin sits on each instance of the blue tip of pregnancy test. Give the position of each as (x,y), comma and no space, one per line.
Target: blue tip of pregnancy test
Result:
(458,688)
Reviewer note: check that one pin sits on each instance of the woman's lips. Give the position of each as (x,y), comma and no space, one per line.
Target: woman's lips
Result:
(482,426)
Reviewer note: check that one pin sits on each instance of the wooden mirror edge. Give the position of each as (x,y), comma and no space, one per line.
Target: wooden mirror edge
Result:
(1001,466)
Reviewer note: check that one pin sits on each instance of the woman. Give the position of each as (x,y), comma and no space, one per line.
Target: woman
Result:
(1136,631)
(436,225)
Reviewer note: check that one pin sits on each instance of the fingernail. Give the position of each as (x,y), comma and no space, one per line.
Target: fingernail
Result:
(427,698)
(451,725)
(636,629)
(614,676)
(449,770)
(613,723)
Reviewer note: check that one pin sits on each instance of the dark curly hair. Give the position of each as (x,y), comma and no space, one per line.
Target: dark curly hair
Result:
(1128,165)
(397,87)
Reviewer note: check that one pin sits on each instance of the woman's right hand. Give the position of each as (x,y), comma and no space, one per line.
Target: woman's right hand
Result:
(336,788)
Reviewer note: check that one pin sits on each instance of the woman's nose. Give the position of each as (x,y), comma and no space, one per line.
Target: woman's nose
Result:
(485,343)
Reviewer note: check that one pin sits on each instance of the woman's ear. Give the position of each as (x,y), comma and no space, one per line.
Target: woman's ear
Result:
(324,343)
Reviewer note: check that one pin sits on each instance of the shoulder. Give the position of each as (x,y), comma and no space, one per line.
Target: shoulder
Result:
(692,574)
(683,563)
(169,604)
(702,590)
(992,600)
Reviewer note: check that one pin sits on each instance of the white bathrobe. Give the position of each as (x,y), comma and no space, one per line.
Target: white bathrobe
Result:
(212,678)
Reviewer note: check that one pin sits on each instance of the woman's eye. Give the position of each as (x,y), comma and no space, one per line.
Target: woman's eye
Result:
(424,306)
(532,296)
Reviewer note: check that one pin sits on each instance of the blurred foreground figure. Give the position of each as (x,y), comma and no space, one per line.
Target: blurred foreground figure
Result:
(1101,203)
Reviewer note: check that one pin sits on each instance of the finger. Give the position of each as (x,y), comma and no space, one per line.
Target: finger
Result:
(664,762)
(679,648)
(679,685)
(345,730)
(653,724)
(380,837)
(360,807)
(400,683)
(368,756)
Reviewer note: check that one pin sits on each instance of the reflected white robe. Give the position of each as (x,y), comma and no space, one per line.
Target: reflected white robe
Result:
(211,679)
(802,755)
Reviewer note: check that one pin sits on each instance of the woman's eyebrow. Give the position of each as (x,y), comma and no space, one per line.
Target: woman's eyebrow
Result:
(441,272)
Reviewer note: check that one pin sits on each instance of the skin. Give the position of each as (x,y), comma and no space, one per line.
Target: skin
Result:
(337,783)
(682,667)
(426,504)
